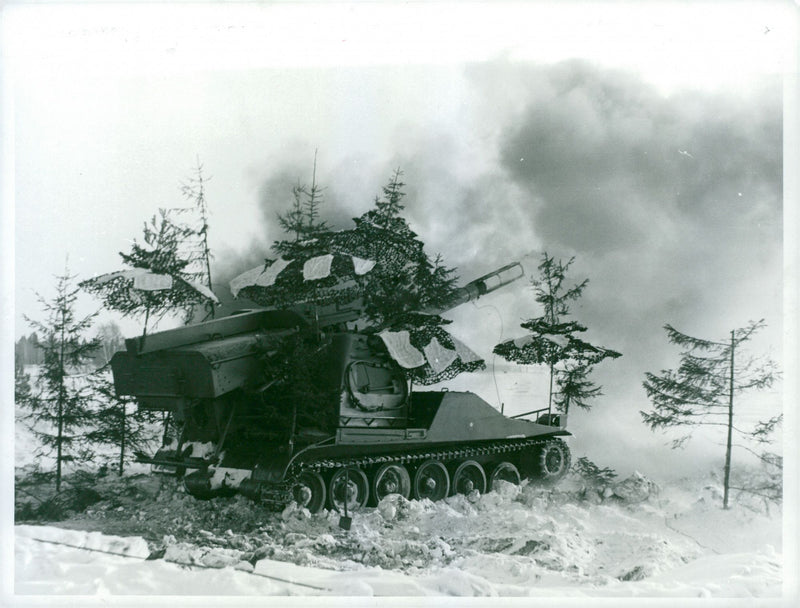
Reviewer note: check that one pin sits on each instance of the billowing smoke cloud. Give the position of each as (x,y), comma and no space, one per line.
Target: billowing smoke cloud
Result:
(605,155)
(671,205)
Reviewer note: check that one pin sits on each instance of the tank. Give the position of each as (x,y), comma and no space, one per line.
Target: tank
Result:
(336,424)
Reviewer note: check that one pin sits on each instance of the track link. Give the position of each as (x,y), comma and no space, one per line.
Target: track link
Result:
(278,495)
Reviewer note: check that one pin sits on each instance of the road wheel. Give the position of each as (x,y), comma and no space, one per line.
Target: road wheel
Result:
(431,481)
(309,491)
(504,471)
(391,479)
(348,485)
(553,461)
(469,476)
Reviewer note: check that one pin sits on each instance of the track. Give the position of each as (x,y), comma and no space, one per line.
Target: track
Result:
(278,495)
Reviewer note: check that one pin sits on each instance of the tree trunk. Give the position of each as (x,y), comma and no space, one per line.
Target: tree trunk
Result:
(166,428)
(122,444)
(730,431)
(59,442)
(61,399)
(144,329)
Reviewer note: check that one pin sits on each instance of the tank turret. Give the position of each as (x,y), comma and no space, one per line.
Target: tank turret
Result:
(294,404)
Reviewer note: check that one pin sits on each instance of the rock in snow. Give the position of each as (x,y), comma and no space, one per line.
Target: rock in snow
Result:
(636,488)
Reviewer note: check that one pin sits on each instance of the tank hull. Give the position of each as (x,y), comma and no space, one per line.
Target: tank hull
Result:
(287,405)
(444,427)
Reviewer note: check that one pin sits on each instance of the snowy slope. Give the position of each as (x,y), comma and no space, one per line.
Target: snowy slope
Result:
(516,542)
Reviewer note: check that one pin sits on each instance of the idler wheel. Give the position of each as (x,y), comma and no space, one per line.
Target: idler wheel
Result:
(553,461)
(309,491)
(504,471)
(348,485)
(431,481)
(469,476)
(391,479)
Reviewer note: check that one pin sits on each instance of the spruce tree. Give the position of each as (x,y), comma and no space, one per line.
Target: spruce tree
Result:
(199,252)
(379,266)
(161,257)
(118,421)
(702,390)
(293,221)
(552,340)
(309,235)
(405,279)
(58,410)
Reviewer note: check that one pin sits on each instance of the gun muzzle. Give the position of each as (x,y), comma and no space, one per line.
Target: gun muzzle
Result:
(483,285)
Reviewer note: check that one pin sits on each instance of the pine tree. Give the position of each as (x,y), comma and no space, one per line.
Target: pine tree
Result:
(575,388)
(308,237)
(199,253)
(293,221)
(702,391)
(58,410)
(389,207)
(553,342)
(160,256)
(401,290)
(592,474)
(118,421)
(405,278)
(27,347)
(302,221)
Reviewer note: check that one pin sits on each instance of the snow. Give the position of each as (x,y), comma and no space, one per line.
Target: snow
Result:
(228,478)
(526,541)
(640,538)
(200,449)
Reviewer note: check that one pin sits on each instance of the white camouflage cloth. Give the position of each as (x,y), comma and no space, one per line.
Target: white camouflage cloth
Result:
(258,276)
(400,348)
(318,267)
(439,357)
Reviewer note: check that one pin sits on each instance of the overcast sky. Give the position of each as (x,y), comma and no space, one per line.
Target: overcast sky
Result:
(645,139)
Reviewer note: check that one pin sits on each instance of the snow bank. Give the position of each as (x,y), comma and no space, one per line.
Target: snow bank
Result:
(517,541)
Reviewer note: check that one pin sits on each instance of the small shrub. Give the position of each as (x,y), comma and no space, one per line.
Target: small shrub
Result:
(593,475)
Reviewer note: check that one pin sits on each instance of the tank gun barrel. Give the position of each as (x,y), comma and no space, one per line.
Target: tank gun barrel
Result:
(330,315)
(481,286)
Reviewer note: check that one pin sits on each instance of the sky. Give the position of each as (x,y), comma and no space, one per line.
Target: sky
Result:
(644,139)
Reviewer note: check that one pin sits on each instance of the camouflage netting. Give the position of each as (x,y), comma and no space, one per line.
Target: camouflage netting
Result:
(120,293)
(404,278)
(157,281)
(551,343)
(398,276)
(425,330)
(291,287)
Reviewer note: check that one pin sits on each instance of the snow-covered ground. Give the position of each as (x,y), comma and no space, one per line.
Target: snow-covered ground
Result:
(524,541)
(672,539)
